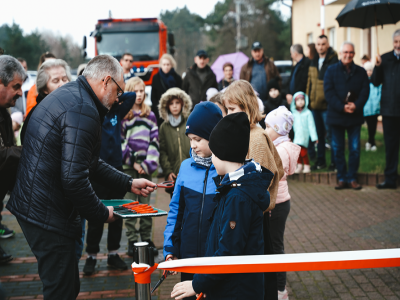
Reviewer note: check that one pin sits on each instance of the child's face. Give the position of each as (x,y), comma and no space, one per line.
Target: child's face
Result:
(228,72)
(369,73)
(232,108)
(199,145)
(218,164)
(273,93)
(175,107)
(273,135)
(300,102)
(140,95)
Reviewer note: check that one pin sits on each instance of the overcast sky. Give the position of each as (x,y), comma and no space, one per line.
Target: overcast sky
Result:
(78,17)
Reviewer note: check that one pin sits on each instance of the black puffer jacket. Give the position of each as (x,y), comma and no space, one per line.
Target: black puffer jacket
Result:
(60,153)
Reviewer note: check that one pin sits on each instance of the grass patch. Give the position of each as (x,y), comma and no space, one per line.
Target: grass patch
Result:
(370,162)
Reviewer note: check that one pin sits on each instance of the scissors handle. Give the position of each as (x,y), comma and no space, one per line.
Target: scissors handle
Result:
(200,297)
(166,184)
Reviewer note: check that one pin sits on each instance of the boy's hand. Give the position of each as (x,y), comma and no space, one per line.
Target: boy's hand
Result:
(182,290)
(171,177)
(111,216)
(171,257)
(143,187)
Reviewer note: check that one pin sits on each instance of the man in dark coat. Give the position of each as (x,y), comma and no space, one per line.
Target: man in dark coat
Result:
(346,87)
(318,104)
(299,74)
(12,76)
(59,158)
(199,78)
(387,73)
(259,70)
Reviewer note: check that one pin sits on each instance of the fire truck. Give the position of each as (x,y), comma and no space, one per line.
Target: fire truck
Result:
(146,39)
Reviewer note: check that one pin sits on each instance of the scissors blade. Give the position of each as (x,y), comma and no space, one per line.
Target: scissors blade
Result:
(158,283)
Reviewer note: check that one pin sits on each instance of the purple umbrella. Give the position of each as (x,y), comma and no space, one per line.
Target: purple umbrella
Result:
(237,59)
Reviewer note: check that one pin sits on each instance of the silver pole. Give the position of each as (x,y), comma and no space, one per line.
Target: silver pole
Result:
(142,290)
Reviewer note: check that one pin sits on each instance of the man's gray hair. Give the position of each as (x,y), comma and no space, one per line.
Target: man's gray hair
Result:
(43,74)
(347,43)
(297,48)
(396,33)
(9,67)
(101,66)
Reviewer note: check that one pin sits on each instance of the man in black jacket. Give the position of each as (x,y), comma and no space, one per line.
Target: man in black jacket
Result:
(60,155)
(387,73)
(299,75)
(12,76)
(199,78)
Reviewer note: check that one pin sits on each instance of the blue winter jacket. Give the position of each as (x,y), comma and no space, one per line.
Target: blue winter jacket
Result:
(237,229)
(111,151)
(373,105)
(304,125)
(337,83)
(190,207)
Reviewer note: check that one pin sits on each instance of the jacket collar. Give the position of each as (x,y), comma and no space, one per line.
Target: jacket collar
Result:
(100,107)
(251,60)
(329,55)
(352,68)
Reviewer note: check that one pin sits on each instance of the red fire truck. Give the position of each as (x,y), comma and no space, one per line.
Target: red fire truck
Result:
(145,39)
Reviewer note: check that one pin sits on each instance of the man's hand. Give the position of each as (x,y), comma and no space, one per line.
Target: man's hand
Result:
(15,126)
(143,187)
(138,168)
(289,98)
(350,108)
(111,216)
(171,177)
(378,60)
(171,257)
(182,290)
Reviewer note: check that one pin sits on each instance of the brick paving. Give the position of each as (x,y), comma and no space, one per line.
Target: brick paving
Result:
(321,219)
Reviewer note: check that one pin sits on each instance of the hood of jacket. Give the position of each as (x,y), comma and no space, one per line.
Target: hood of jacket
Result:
(255,184)
(174,93)
(293,104)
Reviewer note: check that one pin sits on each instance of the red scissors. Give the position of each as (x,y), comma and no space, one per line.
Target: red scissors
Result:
(166,184)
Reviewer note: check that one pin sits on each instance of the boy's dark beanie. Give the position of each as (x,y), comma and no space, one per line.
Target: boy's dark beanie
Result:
(231,137)
(273,84)
(203,119)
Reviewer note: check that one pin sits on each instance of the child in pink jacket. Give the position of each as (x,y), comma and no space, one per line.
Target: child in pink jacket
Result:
(278,123)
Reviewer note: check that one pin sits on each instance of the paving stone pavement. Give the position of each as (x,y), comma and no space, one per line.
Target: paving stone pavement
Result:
(321,219)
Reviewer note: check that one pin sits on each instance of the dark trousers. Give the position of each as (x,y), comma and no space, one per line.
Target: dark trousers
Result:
(277,221)
(391,133)
(338,145)
(270,278)
(57,264)
(324,132)
(95,229)
(372,121)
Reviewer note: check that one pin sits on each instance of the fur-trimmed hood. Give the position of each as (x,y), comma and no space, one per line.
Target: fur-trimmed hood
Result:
(174,93)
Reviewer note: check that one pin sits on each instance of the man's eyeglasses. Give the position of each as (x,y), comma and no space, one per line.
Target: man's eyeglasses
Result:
(348,52)
(121,91)
(130,60)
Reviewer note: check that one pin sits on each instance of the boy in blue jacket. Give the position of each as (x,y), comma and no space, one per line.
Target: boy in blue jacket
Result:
(192,201)
(237,220)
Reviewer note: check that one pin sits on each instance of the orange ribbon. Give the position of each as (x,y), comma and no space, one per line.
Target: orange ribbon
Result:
(142,273)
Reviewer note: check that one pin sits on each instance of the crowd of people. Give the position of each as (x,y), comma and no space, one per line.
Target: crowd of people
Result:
(228,146)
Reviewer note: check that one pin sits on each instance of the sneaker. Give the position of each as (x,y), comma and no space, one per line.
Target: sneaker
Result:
(367,146)
(151,244)
(90,266)
(4,257)
(283,295)
(318,166)
(5,232)
(114,261)
(306,169)
(131,246)
(373,148)
(299,168)
(327,146)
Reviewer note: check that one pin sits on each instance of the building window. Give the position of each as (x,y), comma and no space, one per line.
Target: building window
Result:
(332,37)
(310,39)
